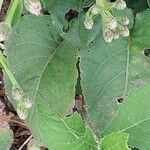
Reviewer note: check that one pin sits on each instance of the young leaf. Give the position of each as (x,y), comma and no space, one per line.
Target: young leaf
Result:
(133,118)
(115,141)
(6,139)
(141,32)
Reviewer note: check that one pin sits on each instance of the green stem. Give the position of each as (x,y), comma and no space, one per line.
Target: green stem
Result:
(11,11)
(1,3)
(7,70)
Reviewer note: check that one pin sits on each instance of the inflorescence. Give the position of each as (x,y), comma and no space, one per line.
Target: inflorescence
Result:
(112,26)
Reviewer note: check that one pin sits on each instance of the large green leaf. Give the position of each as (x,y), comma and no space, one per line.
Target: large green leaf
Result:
(134,118)
(45,68)
(141,32)
(108,73)
(115,141)
(6,139)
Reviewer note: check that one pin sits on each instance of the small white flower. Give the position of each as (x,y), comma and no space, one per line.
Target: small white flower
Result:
(2,46)
(116,34)
(111,23)
(22,114)
(17,93)
(124,20)
(5,29)
(124,31)
(108,36)
(88,23)
(94,9)
(119,4)
(22,111)
(33,6)
(27,102)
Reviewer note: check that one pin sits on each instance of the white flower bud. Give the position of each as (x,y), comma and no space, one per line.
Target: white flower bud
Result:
(124,20)
(2,46)
(116,34)
(22,114)
(33,6)
(5,29)
(94,9)
(17,93)
(111,23)
(26,101)
(124,31)
(108,36)
(88,23)
(119,4)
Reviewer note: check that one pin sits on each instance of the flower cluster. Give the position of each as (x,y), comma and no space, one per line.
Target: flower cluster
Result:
(24,102)
(112,26)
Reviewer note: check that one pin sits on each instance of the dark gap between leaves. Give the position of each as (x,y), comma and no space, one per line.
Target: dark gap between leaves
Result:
(147,52)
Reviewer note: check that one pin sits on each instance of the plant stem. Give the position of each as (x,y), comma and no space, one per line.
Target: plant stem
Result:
(12,11)
(1,3)
(7,70)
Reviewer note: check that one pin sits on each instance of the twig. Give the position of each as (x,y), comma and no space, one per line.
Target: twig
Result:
(18,122)
(27,140)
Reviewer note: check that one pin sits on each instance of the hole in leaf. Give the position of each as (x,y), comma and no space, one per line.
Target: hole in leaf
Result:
(112,0)
(120,100)
(147,52)
(46,12)
(71,14)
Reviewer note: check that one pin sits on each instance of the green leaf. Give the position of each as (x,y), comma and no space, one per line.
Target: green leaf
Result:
(82,36)
(137,5)
(6,139)
(59,8)
(108,73)
(66,133)
(43,65)
(115,141)
(141,32)
(45,68)
(134,118)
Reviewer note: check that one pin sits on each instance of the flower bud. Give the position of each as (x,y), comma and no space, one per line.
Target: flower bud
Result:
(22,111)
(124,20)
(94,9)
(5,29)
(27,102)
(108,36)
(124,31)
(88,23)
(119,4)
(17,93)
(33,6)
(116,34)
(2,46)
(111,23)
